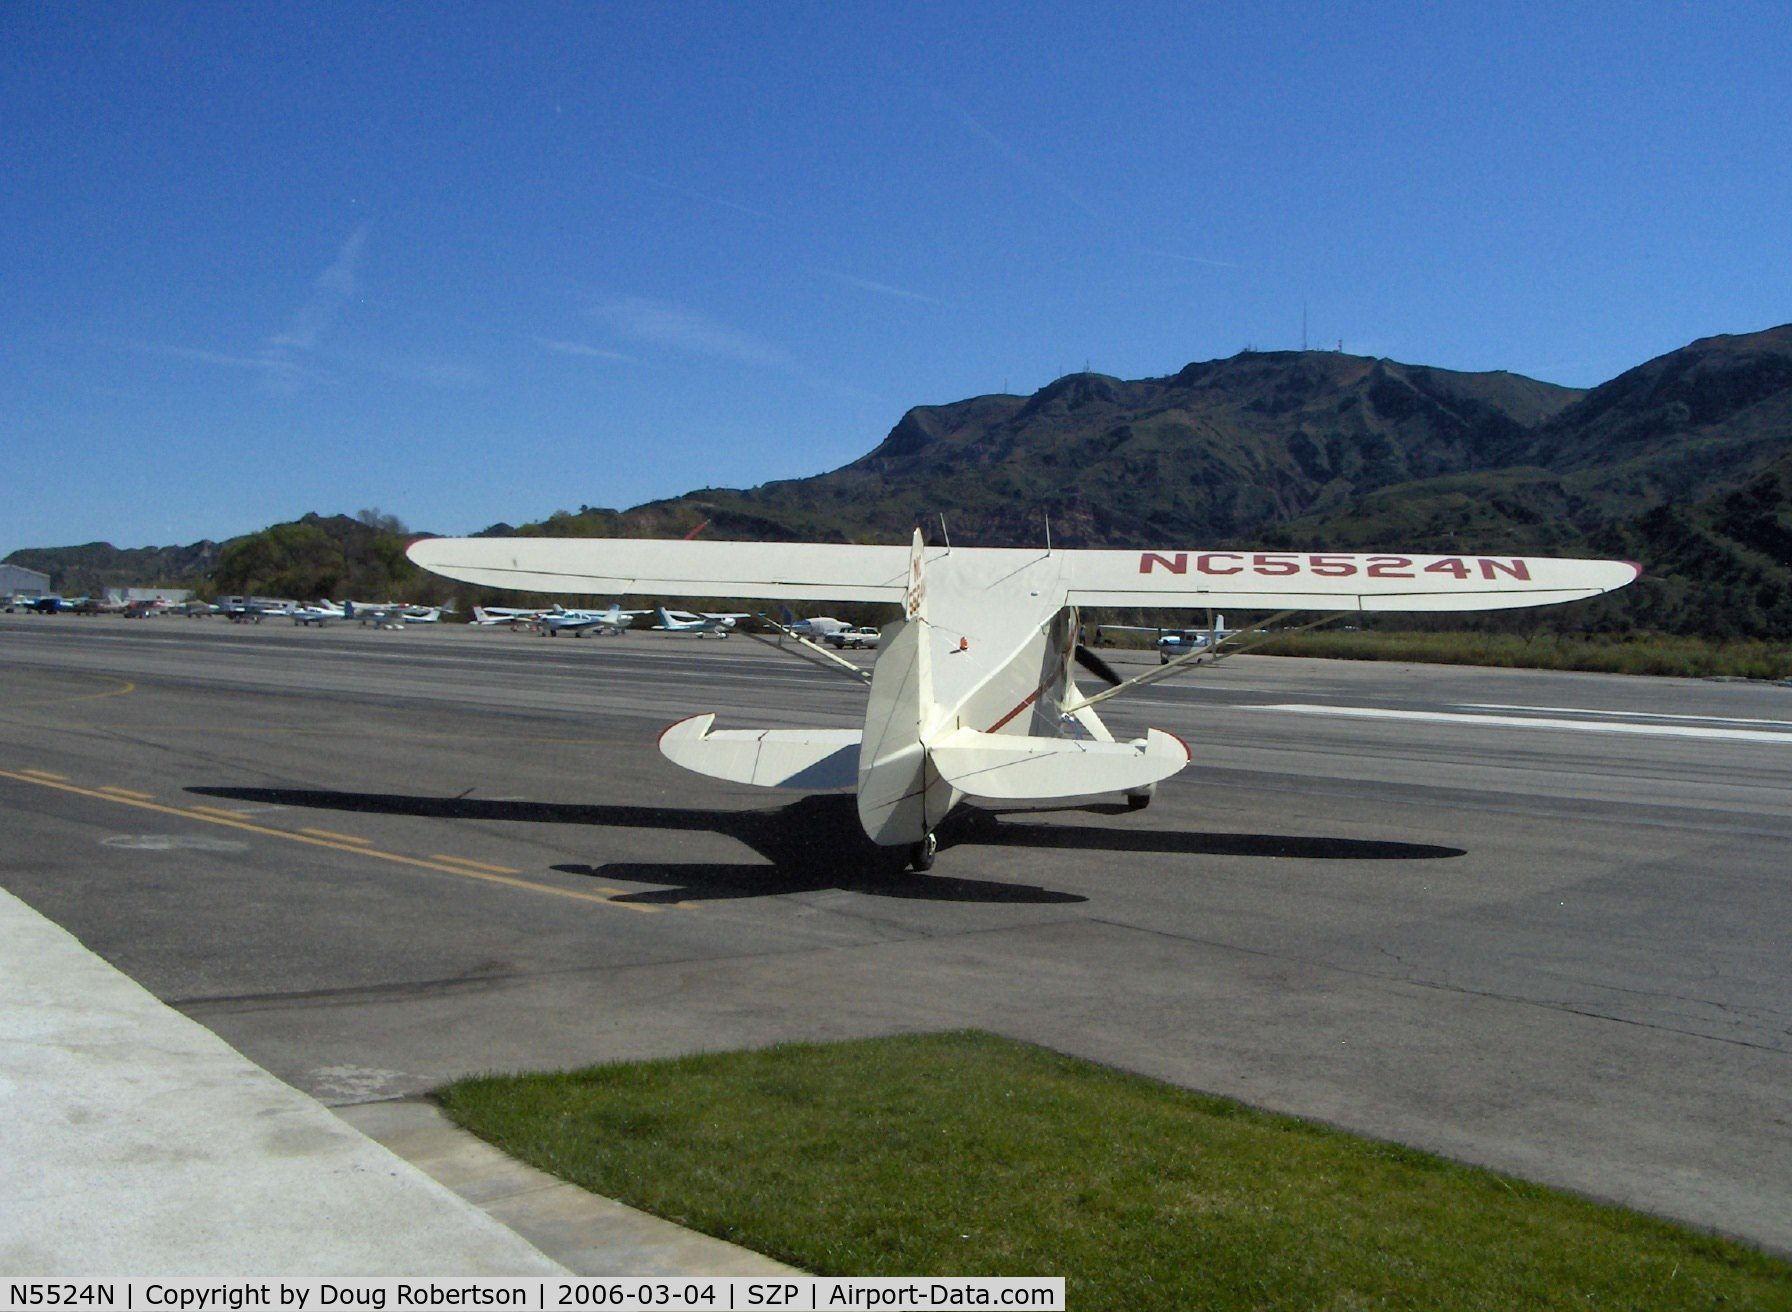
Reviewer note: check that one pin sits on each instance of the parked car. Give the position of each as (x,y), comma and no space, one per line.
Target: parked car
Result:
(864,636)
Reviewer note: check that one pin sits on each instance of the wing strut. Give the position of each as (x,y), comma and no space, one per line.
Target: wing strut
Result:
(828,661)
(1205,656)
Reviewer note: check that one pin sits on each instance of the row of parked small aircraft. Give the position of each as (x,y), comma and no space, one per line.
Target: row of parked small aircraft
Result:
(252,609)
(559,619)
(550,621)
(555,620)
(54,603)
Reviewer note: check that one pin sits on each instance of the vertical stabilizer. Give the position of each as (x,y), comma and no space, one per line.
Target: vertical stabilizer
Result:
(901,796)
(914,597)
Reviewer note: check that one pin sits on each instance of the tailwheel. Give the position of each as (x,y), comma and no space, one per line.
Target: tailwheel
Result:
(921,854)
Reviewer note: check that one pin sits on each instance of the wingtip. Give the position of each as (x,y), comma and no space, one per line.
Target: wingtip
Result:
(676,731)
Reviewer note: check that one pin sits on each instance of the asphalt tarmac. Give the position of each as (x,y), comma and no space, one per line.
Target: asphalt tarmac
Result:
(1534,921)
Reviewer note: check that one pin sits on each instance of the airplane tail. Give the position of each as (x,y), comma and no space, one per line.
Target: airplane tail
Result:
(901,795)
(914,597)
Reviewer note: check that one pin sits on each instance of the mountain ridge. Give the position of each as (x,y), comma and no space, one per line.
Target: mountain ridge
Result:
(1684,462)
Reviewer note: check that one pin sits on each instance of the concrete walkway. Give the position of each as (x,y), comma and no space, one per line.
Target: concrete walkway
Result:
(135,1142)
(588,1234)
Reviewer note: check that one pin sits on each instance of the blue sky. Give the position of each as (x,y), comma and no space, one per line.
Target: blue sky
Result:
(476,263)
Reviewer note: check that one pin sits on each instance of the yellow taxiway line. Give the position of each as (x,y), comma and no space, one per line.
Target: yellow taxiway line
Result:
(124,689)
(212,815)
(326,833)
(476,865)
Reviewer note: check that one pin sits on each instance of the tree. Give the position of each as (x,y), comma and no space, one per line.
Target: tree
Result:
(380,522)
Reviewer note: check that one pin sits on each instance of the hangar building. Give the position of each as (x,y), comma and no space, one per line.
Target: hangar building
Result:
(17,581)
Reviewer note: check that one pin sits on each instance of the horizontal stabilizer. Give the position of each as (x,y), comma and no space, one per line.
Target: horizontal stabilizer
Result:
(810,759)
(1006,767)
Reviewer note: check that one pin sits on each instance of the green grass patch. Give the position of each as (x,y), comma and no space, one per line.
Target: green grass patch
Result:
(1681,657)
(965,1154)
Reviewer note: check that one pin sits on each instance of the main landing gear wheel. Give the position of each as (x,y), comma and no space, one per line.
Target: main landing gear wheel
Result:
(1139,799)
(921,854)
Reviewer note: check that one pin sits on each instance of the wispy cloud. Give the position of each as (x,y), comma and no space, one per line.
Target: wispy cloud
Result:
(665,323)
(1020,159)
(332,289)
(428,370)
(705,197)
(1027,164)
(223,358)
(655,323)
(283,364)
(277,374)
(1191,259)
(582,350)
(290,359)
(882,288)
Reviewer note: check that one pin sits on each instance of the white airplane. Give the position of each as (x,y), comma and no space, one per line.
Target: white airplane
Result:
(318,613)
(489,616)
(580,622)
(818,626)
(252,610)
(1171,643)
(974,694)
(702,625)
(382,615)
(391,614)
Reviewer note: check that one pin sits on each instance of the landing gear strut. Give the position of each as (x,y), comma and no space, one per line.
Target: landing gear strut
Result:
(921,854)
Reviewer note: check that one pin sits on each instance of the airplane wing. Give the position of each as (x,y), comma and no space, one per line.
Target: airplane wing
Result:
(1181,580)
(772,570)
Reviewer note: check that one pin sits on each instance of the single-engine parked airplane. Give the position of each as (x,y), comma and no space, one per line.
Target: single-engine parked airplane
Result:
(515,617)
(702,625)
(1172,643)
(580,622)
(319,613)
(816,626)
(974,693)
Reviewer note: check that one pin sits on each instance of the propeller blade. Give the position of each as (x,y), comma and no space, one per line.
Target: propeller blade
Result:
(1096,666)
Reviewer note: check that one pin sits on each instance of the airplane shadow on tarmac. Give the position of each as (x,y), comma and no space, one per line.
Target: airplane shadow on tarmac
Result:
(816,843)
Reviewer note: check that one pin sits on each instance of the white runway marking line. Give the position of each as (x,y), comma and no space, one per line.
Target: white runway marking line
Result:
(1630,715)
(1781,737)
